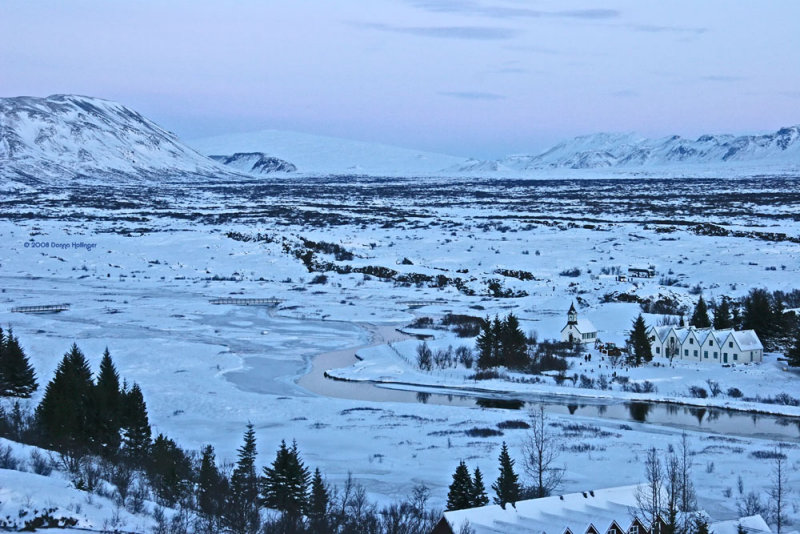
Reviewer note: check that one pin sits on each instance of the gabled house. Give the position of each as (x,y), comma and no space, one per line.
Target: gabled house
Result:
(705,344)
(578,330)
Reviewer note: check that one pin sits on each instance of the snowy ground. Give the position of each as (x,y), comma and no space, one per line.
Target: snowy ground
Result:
(156,258)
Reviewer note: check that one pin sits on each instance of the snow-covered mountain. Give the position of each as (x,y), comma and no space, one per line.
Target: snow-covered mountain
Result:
(322,155)
(255,163)
(628,152)
(64,137)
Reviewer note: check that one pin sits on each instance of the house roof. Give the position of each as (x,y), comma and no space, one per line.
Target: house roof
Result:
(552,515)
(753,524)
(746,339)
(584,326)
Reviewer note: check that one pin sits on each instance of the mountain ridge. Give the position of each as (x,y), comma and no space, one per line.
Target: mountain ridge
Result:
(63,138)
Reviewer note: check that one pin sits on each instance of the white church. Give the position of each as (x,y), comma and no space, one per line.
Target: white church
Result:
(578,330)
(705,344)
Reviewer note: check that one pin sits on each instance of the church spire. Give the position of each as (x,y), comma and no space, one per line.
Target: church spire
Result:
(572,315)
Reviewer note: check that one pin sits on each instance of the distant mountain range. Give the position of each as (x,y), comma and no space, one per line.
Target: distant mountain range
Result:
(65,138)
(255,163)
(319,155)
(630,152)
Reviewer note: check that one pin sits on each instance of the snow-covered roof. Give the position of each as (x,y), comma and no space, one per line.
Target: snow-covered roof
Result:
(552,515)
(752,525)
(585,326)
(748,340)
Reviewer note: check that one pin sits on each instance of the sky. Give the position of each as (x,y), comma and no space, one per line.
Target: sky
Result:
(471,78)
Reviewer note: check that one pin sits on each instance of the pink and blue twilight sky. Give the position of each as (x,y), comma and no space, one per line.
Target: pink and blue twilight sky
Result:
(466,77)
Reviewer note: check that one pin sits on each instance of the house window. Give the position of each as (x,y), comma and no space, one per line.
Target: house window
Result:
(658,350)
(685,352)
(730,344)
(705,354)
(715,355)
(710,343)
(735,356)
(634,529)
(612,530)
(691,341)
(725,355)
(695,354)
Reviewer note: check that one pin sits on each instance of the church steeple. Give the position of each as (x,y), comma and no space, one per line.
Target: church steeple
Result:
(572,315)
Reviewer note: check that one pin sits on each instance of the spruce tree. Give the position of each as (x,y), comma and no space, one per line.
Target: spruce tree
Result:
(242,509)
(136,433)
(17,377)
(507,486)
(211,486)
(285,483)
(722,315)
(479,496)
(514,343)
(794,352)
(63,415)
(318,502)
(485,344)
(460,494)
(758,315)
(169,471)
(700,316)
(640,349)
(108,404)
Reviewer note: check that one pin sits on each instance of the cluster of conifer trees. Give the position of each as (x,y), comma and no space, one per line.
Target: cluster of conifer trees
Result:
(469,492)
(502,343)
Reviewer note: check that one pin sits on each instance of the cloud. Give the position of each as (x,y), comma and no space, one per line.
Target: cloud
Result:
(473,95)
(722,78)
(654,28)
(480,33)
(476,8)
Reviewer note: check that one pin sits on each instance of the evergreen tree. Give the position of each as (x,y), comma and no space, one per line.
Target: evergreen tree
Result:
(242,510)
(794,352)
(17,377)
(758,315)
(640,350)
(485,344)
(318,503)
(461,492)
(211,486)
(722,315)
(63,415)
(169,471)
(479,496)
(514,343)
(136,433)
(700,316)
(507,486)
(108,403)
(285,483)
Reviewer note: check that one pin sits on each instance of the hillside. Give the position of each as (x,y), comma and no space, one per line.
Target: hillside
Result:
(62,138)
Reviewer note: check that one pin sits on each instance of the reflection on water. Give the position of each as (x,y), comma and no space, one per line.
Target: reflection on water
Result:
(639,411)
(505,404)
(687,417)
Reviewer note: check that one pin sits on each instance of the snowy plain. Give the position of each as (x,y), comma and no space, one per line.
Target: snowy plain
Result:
(157,256)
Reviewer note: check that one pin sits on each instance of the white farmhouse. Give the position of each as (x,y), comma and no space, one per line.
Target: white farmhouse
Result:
(705,344)
(578,330)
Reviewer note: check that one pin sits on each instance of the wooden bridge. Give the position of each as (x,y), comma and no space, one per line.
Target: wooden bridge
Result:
(47,308)
(247,302)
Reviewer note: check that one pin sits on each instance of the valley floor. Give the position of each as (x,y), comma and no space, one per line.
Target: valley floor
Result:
(143,288)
